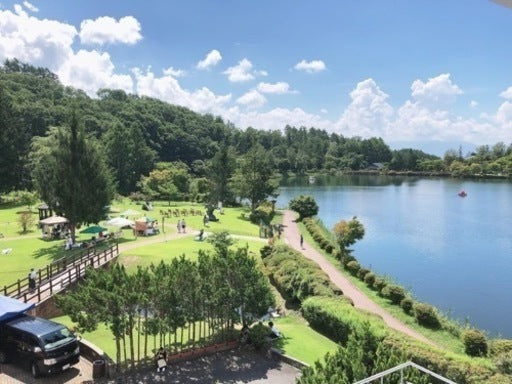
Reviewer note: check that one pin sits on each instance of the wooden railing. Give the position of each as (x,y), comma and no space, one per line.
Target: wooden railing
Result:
(59,274)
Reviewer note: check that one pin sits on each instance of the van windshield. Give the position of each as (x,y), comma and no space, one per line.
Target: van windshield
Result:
(54,339)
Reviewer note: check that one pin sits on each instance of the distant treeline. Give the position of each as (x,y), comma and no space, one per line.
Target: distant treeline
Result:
(148,131)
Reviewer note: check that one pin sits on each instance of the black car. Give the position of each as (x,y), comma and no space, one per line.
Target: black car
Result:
(42,345)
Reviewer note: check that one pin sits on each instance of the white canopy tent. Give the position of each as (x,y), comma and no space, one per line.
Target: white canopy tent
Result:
(119,222)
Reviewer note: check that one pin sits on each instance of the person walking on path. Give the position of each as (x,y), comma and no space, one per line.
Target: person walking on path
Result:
(301,241)
(32,279)
(178,226)
(183,226)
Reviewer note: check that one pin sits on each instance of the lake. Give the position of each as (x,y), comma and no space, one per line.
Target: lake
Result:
(449,251)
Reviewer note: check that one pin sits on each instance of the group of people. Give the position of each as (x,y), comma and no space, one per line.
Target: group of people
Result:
(181,226)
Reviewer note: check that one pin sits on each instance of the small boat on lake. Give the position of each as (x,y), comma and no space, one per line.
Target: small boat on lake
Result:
(462,193)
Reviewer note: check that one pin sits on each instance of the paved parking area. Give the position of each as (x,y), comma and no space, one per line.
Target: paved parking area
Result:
(232,367)
(13,374)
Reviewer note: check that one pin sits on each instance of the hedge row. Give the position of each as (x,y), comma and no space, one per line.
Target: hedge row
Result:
(335,319)
(318,235)
(425,314)
(296,277)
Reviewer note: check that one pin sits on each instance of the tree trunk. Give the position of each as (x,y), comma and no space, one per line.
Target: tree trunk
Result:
(138,337)
(130,338)
(145,334)
(72,230)
(118,354)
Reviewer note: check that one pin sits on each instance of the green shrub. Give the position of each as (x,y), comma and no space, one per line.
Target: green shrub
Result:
(500,346)
(304,205)
(296,277)
(407,305)
(426,315)
(347,258)
(329,248)
(265,251)
(380,283)
(503,363)
(369,279)
(263,213)
(324,243)
(394,293)
(362,273)
(475,342)
(337,254)
(258,336)
(353,267)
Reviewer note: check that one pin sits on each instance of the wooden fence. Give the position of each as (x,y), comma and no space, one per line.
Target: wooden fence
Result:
(59,274)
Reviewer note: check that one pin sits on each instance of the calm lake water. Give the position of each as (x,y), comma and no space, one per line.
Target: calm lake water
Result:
(452,252)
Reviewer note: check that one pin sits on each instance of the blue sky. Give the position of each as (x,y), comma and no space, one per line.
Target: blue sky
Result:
(407,71)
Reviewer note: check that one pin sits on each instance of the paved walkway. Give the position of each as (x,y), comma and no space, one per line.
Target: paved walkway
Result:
(14,374)
(292,238)
(231,367)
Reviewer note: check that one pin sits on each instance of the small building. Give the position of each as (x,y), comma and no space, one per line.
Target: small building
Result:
(44,211)
(54,227)
(375,167)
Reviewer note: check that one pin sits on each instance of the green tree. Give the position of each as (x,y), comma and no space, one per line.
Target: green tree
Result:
(12,144)
(26,220)
(348,232)
(71,175)
(221,169)
(128,155)
(305,206)
(253,178)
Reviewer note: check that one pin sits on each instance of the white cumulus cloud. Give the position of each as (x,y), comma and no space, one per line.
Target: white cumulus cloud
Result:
(369,112)
(212,58)
(107,30)
(92,70)
(276,118)
(310,66)
(174,72)
(252,99)
(507,94)
(243,71)
(473,104)
(40,42)
(240,72)
(167,88)
(278,88)
(31,7)
(436,91)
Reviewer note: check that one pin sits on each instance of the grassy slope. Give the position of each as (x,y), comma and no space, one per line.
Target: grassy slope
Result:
(302,342)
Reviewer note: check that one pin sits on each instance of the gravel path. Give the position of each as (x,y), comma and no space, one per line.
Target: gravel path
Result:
(292,238)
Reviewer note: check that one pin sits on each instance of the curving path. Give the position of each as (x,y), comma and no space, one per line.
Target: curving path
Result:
(292,238)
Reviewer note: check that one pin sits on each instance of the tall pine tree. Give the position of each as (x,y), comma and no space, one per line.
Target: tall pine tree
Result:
(72,176)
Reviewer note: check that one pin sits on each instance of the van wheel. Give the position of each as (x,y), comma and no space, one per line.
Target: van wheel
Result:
(35,370)
(3,357)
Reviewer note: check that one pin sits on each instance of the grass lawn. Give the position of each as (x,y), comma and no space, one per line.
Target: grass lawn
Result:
(9,215)
(154,253)
(233,220)
(302,342)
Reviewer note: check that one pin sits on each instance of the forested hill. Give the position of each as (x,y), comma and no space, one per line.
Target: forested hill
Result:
(137,132)
(33,100)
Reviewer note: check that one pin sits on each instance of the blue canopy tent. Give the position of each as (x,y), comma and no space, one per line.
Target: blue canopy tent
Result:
(11,308)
